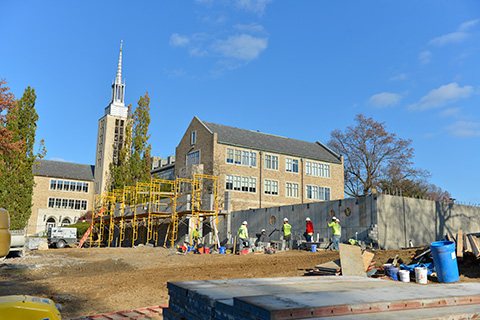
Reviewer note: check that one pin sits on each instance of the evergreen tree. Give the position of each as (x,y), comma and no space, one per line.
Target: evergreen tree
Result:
(133,162)
(16,164)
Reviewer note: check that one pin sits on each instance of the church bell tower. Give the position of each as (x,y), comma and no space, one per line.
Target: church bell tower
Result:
(111,131)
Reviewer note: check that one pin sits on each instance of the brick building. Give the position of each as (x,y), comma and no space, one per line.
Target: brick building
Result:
(260,170)
(63,193)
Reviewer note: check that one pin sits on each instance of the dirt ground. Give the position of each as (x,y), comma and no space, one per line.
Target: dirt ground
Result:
(99,280)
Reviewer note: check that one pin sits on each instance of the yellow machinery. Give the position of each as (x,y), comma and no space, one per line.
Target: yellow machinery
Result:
(22,307)
(4,232)
(28,308)
(148,205)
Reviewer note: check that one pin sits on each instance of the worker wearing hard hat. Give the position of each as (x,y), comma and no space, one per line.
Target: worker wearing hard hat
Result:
(243,236)
(287,233)
(336,229)
(309,232)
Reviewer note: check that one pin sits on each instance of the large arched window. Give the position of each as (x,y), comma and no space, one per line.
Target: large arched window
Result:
(66,222)
(51,223)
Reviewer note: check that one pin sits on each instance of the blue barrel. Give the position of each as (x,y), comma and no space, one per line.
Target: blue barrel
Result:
(445,261)
(222,250)
(392,272)
(314,248)
(190,248)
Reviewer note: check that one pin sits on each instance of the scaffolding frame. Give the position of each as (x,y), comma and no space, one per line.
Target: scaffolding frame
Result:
(149,205)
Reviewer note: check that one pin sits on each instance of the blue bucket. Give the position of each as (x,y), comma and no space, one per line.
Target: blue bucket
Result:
(314,248)
(445,261)
(190,248)
(392,272)
(222,250)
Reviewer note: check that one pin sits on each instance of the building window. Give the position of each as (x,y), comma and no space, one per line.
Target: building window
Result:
(253,159)
(253,185)
(292,190)
(229,155)
(291,165)
(229,182)
(245,181)
(271,187)
(193,138)
(72,204)
(237,183)
(317,193)
(245,158)
(271,162)
(238,156)
(317,169)
(85,187)
(53,184)
(193,158)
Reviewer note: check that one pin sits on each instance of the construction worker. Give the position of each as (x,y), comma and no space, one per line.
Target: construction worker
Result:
(287,233)
(243,236)
(195,237)
(335,225)
(262,238)
(309,233)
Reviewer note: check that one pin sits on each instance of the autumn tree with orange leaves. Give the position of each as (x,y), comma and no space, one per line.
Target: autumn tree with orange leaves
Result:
(375,158)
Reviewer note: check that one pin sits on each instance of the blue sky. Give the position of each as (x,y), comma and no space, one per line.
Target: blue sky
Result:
(299,69)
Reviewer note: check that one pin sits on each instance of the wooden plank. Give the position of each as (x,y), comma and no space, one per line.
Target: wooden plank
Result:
(467,247)
(367,259)
(460,244)
(475,245)
(351,260)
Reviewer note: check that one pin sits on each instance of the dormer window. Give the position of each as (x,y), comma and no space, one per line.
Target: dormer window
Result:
(193,138)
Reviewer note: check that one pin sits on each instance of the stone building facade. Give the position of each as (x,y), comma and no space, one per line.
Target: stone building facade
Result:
(62,194)
(260,170)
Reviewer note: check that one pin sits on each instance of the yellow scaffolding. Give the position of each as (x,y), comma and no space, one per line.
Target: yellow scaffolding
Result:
(148,204)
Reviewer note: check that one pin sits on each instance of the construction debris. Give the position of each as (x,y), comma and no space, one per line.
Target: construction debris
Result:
(355,262)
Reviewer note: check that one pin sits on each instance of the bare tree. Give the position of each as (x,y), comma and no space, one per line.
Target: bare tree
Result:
(372,155)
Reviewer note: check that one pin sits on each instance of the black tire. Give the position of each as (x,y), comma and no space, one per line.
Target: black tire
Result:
(60,244)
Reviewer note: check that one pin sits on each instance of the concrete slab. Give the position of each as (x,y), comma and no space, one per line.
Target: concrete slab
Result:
(443,313)
(310,297)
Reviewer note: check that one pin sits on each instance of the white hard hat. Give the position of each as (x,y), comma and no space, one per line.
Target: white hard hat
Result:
(286,219)
(308,219)
(244,222)
(263,230)
(334,218)
(337,219)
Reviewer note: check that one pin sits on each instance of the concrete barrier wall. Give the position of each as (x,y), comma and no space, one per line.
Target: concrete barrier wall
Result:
(398,219)
(421,221)
(356,215)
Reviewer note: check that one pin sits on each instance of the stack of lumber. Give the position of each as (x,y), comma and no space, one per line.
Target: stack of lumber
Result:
(465,243)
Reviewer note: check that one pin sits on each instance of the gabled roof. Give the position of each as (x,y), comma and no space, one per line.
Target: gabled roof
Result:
(64,170)
(272,143)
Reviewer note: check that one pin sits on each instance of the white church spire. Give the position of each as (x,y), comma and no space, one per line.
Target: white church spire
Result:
(118,79)
(117,104)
